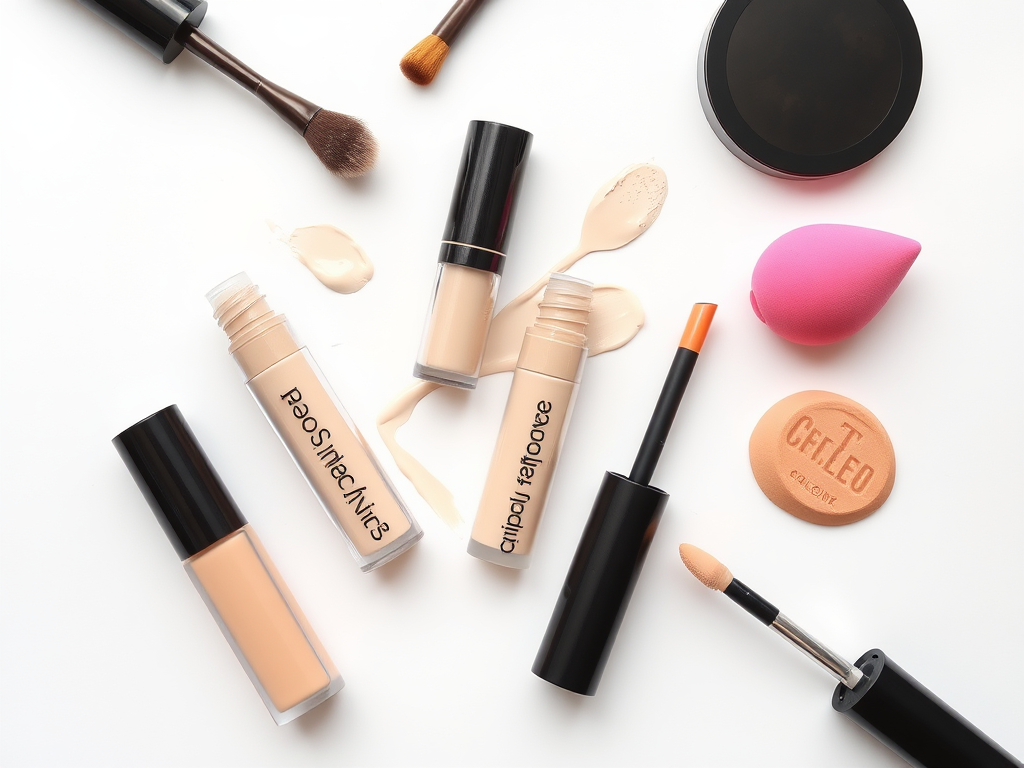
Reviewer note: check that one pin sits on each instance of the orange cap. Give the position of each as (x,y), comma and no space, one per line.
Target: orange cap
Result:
(697,326)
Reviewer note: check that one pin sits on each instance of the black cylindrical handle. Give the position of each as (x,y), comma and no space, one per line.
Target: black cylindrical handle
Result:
(600,582)
(912,721)
(160,26)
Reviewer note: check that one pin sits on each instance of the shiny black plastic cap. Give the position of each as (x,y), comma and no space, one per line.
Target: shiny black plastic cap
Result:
(484,199)
(600,582)
(912,721)
(182,488)
(159,26)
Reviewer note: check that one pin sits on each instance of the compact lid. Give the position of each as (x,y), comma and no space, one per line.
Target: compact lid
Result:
(807,88)
(600,582)
(484,199)
(159,26)
(182,488)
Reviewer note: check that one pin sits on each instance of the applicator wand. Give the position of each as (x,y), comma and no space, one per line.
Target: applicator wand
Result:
(875,693)
(167,27)
(615,541)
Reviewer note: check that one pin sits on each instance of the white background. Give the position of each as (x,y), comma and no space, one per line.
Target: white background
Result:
(129,188)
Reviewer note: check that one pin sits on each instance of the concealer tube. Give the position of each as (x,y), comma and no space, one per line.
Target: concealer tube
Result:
(304,411)
(229,566)
(537,415)
(472,254)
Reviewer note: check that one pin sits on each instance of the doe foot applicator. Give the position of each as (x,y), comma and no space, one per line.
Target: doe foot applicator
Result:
(615,541)
(875,693)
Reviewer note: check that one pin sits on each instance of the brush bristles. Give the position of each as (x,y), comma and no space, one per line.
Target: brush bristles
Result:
(709,572)
(423,61)
(343,143)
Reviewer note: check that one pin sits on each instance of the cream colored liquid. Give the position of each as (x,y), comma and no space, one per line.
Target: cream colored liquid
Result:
(622,210)
(332,454)
(334,258)
(459,318)
(262,619)
(522,467)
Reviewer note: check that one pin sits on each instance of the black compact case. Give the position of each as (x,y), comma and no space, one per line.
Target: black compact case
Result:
(809,88)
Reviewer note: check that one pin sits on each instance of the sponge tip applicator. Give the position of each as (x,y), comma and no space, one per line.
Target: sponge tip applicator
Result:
(708,571)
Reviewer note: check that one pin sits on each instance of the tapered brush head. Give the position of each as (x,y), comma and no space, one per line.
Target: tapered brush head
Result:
(709,572)
(423,61)
(343,143)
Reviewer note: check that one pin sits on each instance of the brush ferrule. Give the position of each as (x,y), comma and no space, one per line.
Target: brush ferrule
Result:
(837,666)
(293,109)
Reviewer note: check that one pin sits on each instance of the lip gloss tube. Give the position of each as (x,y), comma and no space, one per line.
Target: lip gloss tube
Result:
(537,414)
(472,254)
(320,436)
(229,566)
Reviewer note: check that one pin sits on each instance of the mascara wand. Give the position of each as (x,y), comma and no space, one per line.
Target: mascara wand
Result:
(615,540)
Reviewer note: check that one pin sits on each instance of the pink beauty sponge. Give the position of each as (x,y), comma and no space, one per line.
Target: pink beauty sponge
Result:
(822,283)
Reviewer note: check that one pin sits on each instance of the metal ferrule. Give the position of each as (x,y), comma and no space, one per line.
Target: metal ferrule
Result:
(837,666)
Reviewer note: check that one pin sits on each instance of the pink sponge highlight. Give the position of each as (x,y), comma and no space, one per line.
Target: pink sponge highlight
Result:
(823,283)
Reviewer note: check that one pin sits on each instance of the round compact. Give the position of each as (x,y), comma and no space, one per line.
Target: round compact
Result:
(808,88)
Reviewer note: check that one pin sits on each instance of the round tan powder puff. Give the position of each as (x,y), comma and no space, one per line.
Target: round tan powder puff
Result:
(823,458)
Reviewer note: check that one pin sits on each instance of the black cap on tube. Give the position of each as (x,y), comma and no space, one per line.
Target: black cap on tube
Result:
(159,26)
(599,584)
(173,473)
(912,721)
(484,199)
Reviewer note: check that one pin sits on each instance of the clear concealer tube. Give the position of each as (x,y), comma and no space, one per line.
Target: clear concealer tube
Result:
(472,256)
(320,436)
(537,414)
(229,567)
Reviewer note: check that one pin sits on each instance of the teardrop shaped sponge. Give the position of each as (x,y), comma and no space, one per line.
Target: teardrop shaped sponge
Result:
(822,283)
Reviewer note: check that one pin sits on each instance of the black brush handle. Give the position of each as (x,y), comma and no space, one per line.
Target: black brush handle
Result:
(159,26)
(664,414)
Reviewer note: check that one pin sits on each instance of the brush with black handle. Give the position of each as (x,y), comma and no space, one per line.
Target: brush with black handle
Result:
(167,27)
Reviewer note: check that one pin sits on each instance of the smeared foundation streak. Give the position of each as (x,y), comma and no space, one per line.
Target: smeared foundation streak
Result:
(334,258)
(622,210)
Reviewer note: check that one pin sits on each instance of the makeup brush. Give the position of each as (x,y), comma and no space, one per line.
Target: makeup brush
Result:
(875,693)
(423,61)
(167,27)
(615,540)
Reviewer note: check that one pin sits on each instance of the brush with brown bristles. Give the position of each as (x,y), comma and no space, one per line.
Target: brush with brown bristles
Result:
(167,27)
(423,61)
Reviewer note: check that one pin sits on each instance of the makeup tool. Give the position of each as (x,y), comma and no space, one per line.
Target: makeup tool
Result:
(822,283)
(228,566)
(424,60)
(615,541)
(875,692)
(537,415)
(823,458)
(318,433)
(472,254)
(807,88)
(167,27)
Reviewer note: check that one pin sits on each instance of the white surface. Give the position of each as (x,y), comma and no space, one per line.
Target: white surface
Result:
(130,188)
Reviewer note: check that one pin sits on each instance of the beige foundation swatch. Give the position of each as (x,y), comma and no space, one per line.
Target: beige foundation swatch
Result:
(622,210)
(334,258)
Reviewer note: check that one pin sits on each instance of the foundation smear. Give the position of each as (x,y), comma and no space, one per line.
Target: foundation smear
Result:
(622,210)
(334,258)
